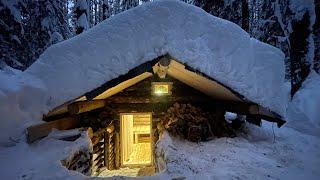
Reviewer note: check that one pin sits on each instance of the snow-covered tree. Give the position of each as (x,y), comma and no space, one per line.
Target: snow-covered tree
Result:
(106,10)
(81,12)
(128,4)
(287,24)
(13,48)
(300,67)
(316,37)
(29,27)
(234,10)
(45,24)
(245,15)
(144,1)
(116,8)
(302,46)
(269,23)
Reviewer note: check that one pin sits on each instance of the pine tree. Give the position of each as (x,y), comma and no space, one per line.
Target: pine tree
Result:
(300,67)
(235,11)
(45,24)
(270,23)
(128,4)
(105,9)
(116,8)
(81,12)
(316,37)
(213,7)
(54,20)
(245,15)
(13,49)
(29,28)
(96,13)
(145,1)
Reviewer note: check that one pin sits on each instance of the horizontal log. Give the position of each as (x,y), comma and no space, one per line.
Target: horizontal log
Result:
(255,111)
(63,109)
(60,111)
(139,107)
(49,118)
(85,106)
(38,131)
(155,99)
(236,107)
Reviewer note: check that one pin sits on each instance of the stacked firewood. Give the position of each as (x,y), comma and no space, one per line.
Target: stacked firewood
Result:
(80,161)
(98,151)
(96,118)
(187,121)
(195,124)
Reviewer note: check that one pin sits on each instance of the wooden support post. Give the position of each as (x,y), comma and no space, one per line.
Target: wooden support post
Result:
(106,149)
(117,150)
(110,128)
(38,131)
(109,150)
(85,106)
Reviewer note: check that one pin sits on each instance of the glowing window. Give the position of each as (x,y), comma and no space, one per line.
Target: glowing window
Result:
(161,88)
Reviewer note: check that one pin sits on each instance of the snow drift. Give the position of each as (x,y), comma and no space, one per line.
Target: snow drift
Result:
(303,110)
(216,47)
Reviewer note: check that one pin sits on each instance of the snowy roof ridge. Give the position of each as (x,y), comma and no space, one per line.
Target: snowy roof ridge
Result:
(218,48)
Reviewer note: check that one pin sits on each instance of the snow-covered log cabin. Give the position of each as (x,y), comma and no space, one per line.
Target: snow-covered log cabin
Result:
(130,78)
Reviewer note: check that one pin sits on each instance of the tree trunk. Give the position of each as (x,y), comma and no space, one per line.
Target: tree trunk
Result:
(316,36)
(245,15)
(300,67)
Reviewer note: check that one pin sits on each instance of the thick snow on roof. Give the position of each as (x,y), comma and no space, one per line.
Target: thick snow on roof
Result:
(216,47)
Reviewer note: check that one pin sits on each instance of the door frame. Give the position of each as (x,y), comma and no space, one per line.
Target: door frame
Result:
(121,143)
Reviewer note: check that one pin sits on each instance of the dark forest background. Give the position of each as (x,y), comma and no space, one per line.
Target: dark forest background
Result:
(28,27)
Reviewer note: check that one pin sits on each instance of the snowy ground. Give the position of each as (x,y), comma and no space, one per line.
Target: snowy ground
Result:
(40,160)
(256,155)
(259,154)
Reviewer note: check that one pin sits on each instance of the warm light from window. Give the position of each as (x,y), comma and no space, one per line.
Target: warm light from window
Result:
(161,88)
